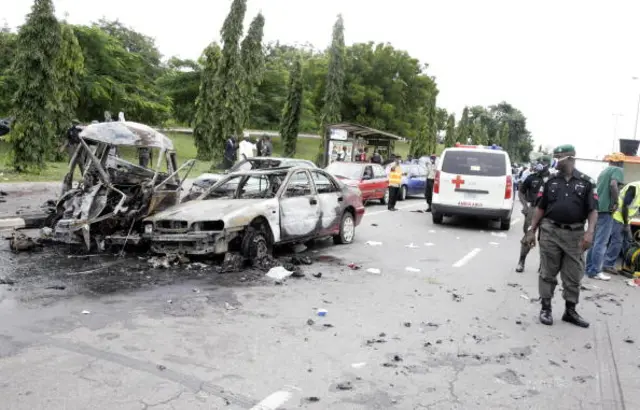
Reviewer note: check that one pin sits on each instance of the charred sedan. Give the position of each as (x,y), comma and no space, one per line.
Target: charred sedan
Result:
(251,211)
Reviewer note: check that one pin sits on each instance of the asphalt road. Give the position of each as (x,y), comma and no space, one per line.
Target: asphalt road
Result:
(445,324)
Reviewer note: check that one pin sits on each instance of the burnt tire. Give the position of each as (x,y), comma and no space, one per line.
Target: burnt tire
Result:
(505,224)
(347,229)
(255,245)
(437,218)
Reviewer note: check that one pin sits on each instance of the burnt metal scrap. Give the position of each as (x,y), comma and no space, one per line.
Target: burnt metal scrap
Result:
(106,205)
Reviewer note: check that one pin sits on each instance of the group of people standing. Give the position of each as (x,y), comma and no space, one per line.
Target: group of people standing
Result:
(569,213)
(236,149)
(395,180)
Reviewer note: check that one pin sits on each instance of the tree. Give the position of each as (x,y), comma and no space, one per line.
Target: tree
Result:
(504,136)
(463,133)
(441,119)
(203,123)
(252,61)
(292,110)
(334,91)
(450,137)
(181,83)
(34,68)
(70,70)
(425,142)
(228,104)
(476,133)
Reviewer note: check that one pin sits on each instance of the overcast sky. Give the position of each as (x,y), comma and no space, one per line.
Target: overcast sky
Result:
(567,64)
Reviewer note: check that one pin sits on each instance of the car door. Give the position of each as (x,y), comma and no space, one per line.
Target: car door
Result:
(331,200)
(418,179)
(381,180)
(299,208)
(368,183)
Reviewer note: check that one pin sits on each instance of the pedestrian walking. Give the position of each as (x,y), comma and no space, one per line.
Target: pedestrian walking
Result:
(395,180)
(621,237)
(567,200)
(528,195)
(607,186)
(267,146)
(229,156)
(246,148)
(431,176)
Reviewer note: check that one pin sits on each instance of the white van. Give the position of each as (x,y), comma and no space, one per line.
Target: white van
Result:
(476,181)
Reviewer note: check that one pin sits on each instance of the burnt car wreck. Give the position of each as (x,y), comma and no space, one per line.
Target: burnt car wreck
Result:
(111,197)
(252,211)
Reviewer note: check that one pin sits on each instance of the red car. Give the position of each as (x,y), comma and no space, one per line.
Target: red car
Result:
(370,178)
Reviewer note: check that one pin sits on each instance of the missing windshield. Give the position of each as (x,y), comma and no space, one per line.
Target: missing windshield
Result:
(262,186)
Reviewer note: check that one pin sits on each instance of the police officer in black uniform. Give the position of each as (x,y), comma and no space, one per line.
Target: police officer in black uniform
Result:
(567,200)
(528,195)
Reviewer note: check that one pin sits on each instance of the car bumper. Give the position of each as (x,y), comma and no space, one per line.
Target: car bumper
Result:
(359,215)
(483,213)
(191,243)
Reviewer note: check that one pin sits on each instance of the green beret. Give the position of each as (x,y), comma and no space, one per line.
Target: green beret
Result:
(563,149)
(545,158)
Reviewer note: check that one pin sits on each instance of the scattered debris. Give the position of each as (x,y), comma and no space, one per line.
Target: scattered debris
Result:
(389,364)
(161,367)
(228,306)
(167,261)
(418,211)
(56,287)
(375,271)
(374,224)
(431,324)
(551,362)
(344,386)
(7,281)
(410,269)
(312,399)
(513,285)
(407,324)
(311,322)
(317,275)
(301,260)
(299,248)
(456,297)
(518,322)
(397,358)
(374,341)
(373,243)
(432,231)
(429,244)
(582,379)
(494,243)
(233,262)
(629,340)
(588,346)
(492,290)
(322,312)
(499,234)
(358,365)
(278,273)
(353,266)
(412,246)
(525,297)
(19,242)
(328,325)
(85,312)
(634,282)
(510,377)
(195,290)
(297,273)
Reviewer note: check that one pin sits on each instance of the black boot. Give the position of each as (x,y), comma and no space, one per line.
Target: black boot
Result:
(545,313)
(571,316)
(429,208)
(520,267)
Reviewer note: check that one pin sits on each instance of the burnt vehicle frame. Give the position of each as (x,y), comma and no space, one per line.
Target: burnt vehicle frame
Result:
(113,195)
(252,224)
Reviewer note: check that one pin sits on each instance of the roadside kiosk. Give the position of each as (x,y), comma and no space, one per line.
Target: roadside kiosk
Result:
(346,141)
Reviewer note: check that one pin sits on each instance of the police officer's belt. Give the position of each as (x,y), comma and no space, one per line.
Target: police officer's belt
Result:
(568,227)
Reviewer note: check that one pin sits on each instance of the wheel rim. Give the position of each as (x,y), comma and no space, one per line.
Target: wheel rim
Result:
(386,195)
(348,228)
(261,248)
(636,237)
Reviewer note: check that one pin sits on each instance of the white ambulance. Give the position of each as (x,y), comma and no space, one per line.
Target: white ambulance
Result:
(474,181)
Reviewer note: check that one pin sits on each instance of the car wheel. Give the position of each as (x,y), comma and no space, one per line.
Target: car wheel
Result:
(255,245)
(437,218)
(347,230)
(505,224)
(385,198)
(403,193)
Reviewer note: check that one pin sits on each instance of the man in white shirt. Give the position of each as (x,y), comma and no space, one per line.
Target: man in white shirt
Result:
(246,149)
(431,175)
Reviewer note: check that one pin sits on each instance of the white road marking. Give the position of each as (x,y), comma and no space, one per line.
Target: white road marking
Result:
(273,401)
(515,221)
(373,243)
(466,258)
(386,210)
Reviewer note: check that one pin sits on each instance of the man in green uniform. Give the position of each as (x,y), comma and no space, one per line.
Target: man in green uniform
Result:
(528,195)
(567,200)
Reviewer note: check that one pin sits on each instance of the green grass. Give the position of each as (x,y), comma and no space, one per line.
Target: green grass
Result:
(307,148)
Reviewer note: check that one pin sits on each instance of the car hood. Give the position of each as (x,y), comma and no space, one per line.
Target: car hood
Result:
(348,181)
(208,179)
(211,209)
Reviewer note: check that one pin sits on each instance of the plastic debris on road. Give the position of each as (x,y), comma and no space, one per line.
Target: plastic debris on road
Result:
(228,306)
(494,243)
(322,312)
(412,246)
(358,365)
(499,234)
(278,273)
(634,282)
(525,297)
(85,312)
(410,269)
(373,243)
(354,266)
(429,244)
(432,231)
(375,271)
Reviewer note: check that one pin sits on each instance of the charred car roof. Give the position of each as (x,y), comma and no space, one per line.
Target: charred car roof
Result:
(126,133)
